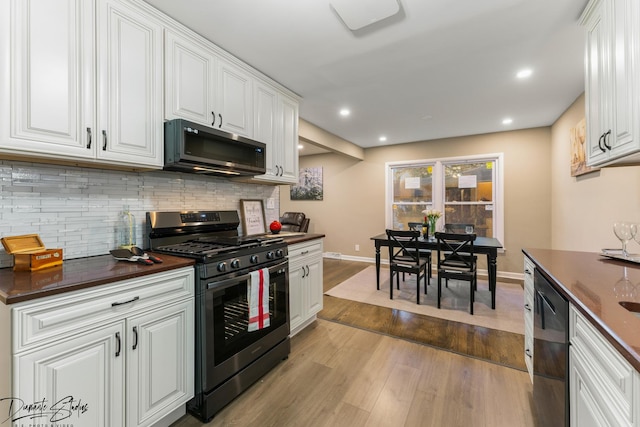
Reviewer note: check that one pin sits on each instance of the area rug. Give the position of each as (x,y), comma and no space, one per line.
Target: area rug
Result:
(507,316)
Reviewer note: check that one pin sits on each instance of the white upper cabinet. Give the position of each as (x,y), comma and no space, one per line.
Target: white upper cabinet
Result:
(190,80)
(129,86)
(612,81)
(204,88)
(48,102)
(84,80)
(276,124)
(235,103)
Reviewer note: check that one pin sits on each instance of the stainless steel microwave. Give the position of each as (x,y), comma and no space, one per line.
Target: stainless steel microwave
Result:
(195,148)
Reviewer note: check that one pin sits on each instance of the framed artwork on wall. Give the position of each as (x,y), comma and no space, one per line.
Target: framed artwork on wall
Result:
(309,185)
(253,219)
(578,139)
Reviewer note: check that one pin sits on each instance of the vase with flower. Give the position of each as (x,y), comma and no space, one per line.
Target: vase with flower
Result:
(431,218)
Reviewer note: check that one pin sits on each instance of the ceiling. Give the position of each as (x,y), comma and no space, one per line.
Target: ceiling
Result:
(435,69)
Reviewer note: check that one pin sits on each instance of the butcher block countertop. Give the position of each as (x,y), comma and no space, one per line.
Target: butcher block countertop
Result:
(596,285)
(74,274)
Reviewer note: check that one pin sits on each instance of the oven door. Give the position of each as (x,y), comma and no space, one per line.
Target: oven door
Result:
(230,346)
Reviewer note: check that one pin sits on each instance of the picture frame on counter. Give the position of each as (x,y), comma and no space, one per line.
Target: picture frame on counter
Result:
(253,218)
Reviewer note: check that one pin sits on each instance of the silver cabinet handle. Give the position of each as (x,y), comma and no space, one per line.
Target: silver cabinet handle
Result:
(104,140)
(88,137)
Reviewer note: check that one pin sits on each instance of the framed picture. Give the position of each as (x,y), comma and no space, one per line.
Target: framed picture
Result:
(253,219)
(309,185)
(577,140)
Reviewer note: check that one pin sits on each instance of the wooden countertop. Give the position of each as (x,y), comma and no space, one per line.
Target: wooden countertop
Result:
(74,274)
(82,273)
(595,285)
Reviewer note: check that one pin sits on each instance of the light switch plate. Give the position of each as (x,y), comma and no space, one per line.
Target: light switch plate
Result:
(271,203)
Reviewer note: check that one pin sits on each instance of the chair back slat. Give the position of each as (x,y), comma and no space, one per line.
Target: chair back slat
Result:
(456,250)
(404,246)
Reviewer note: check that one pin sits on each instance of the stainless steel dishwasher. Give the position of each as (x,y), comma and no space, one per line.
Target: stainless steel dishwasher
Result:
(551,354)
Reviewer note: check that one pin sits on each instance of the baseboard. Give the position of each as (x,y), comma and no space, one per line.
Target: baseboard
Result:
(502,275)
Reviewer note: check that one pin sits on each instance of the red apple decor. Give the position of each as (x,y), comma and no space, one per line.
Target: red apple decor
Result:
(275,227)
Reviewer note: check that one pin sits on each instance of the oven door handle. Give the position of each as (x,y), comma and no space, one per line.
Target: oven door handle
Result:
(234,280)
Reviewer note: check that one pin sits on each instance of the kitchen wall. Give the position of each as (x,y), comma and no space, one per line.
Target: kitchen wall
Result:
(77,208)
(585,208)
(354,192)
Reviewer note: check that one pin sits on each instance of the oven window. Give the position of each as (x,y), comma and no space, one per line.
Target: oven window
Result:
(231,317)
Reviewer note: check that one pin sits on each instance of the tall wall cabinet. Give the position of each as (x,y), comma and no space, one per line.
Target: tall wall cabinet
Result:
(119,354)
(83,82)
(612,76)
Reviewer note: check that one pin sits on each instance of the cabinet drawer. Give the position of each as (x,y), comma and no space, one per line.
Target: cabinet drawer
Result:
(604,366)
(298,250)
(35,323)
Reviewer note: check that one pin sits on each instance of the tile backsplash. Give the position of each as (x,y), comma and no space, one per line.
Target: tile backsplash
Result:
(77,209)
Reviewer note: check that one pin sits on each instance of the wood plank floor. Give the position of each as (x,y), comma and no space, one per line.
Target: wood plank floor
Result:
(340,375)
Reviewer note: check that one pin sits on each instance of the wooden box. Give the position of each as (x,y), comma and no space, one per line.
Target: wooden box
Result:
(29,254)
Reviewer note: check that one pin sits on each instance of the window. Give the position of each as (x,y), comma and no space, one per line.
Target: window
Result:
(467,190)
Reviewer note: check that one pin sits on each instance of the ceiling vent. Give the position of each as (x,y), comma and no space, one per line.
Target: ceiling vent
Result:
(357,14)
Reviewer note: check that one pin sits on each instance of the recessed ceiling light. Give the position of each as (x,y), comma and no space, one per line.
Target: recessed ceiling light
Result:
(345,112)
(507,121)
(382,138)
(300,146)
(524,73)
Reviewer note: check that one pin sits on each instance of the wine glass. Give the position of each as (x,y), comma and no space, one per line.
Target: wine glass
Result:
(624,231)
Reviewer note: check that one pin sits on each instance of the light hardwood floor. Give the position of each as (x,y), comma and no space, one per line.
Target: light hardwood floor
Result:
(340,375)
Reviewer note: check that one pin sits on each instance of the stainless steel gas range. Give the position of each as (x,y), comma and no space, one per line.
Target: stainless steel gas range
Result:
(233,349)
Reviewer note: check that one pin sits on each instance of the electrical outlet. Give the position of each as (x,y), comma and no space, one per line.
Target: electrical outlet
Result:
(357,248)
(271,203)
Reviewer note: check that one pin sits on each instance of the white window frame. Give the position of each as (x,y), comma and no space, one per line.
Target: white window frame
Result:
(438,185)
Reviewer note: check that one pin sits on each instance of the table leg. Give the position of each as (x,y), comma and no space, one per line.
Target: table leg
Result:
(492,261)
(378,267)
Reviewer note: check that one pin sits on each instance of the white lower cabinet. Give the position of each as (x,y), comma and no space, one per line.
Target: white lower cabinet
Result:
(603,385)
(124,357)
(305,283)
(529,269)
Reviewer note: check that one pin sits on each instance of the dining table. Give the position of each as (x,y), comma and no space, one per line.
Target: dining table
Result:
(482,245)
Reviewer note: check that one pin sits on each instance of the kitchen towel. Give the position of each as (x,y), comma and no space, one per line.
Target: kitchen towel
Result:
(258,299)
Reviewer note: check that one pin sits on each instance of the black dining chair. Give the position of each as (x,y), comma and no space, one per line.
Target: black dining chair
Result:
(405,257)
(456,261)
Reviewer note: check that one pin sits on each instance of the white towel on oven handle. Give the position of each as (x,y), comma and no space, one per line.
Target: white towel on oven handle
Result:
(258,299)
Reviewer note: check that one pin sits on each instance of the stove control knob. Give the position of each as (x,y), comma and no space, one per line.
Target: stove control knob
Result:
(254,259)
(235,263)
(222,267)
(270,255)
(279,253)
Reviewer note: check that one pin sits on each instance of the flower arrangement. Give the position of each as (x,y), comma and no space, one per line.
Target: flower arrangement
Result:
(430,217)
(432,214)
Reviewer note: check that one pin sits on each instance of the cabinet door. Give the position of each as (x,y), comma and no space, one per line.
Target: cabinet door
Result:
(190,81)
(288,137)
(85,373)
(598,82)
(266,109)
(160,367)
(296,296)
(48,97)
(313,285)
(625,66)
(129,86)
(235,99)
